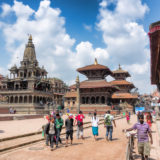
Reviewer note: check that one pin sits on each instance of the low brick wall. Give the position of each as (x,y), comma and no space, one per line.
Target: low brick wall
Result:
(4,110)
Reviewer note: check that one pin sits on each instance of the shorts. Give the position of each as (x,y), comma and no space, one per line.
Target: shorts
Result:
(144,148)
(69,134)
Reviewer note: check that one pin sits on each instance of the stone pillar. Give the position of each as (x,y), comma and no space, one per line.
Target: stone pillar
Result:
(9,99)
(27,99)
(32,99)
(18,99)
(23,99)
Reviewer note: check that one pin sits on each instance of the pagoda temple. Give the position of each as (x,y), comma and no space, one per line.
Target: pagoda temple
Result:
(95,92)
(124,94)
(27,89)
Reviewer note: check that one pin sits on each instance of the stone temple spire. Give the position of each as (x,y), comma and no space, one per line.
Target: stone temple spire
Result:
(29,52)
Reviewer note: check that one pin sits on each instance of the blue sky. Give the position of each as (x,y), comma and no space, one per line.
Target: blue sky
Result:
(70,33)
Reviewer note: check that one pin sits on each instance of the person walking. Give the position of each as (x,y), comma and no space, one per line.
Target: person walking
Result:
(94,121)
(127,117)
(46,135)
(79,121)
(143,134)
(149,119)
(108,120)
(50,131)
(69,128)
(59,124)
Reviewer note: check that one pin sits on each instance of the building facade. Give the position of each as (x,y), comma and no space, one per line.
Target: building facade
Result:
(27,89)
(95,92)
(154,35)
(59,88)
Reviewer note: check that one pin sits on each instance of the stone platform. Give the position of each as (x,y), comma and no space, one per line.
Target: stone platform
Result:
(9,117)
(25,108)
(101,109)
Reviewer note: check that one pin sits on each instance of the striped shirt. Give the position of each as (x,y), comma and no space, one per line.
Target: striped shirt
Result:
(142,131)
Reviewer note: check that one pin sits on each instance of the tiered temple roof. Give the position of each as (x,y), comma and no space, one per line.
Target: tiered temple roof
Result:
(120,76)
(95,71)
(96,74)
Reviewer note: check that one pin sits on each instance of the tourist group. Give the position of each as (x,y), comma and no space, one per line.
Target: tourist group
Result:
(52,130)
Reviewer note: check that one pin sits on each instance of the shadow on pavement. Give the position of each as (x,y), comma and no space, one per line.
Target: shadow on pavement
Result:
(115,139)
(99,138)
(74,144)
(139,157)
(87,137)
(1,131)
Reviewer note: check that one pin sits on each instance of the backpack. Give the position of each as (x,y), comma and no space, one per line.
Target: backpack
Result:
(108,121)
(79,123)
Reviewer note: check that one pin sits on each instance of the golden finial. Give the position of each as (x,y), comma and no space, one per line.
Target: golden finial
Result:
(95,62)
(77,79)
(30,37)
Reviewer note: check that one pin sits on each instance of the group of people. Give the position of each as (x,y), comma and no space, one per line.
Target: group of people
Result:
(55,123)
(54,126)
(12,110)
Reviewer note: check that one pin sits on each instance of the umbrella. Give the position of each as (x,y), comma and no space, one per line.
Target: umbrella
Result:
(147,111)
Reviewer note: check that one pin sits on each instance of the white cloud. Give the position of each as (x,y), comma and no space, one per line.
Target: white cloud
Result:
(52,43)
(125,39)
(87,27)
(22,11)
(6,9)
(138,68)
(103,4)
(85,55)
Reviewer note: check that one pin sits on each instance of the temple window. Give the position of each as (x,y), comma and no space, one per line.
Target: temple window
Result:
(83,100)
(93,100)
(102,99)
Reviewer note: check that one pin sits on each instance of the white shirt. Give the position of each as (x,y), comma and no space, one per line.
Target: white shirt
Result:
(52,129)
(94,121)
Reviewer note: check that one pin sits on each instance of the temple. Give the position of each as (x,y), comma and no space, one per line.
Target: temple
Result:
(27,89)
(95,92)
(124,95)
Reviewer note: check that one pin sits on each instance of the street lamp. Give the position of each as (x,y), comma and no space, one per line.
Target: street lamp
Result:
(78,94)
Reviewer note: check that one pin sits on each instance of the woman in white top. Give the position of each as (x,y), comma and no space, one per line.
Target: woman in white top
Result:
(95,121)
